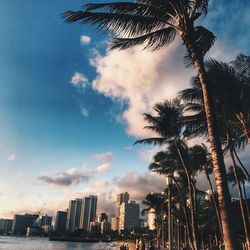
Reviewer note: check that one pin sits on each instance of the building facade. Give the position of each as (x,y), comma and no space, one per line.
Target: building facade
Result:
(22,222)
(60,223)
(73,216)
(88,212)
(129,215)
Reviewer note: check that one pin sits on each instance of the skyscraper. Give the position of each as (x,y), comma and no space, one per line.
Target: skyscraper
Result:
(73,216)
(88,212)
(122,197)
(129,215)
(60,223)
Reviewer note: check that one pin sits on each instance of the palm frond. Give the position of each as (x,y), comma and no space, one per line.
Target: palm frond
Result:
(121,24)
(128,8)
(152,141)
(154,40)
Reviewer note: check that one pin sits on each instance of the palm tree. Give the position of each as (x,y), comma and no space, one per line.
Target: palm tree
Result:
(230,104)
(201,161)
(167,163)
(168,125)
(155,24)
(242,68)
(155,202)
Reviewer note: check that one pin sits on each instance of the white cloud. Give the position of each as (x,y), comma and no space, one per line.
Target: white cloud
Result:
(107,157)
(140,78)
(79,80)
(85,40)
(11,158)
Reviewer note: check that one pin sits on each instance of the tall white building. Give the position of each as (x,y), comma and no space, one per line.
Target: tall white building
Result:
(88,212)
(129,215)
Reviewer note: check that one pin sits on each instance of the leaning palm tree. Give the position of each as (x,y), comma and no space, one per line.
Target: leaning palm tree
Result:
(155,23)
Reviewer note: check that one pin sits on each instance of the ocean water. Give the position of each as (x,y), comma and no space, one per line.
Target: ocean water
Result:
(33,243)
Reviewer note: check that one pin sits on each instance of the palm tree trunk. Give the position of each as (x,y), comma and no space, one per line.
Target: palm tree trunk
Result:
(185,211)
(192,207)
(214,201)
(216,150)
(242,204)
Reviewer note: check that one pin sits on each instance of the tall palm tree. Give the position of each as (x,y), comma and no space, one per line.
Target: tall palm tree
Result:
(168,125)
(201,161)
(230,104)
(167,163)
(155,23)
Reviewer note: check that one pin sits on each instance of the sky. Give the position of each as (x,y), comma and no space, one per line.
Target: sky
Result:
(71,109)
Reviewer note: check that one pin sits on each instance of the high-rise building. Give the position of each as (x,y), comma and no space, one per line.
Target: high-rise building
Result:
(2,225)
(60,223)
(8,226)
(46,220)
(22,222)
(129,215)
(73,216)
(122,197)
(88,212)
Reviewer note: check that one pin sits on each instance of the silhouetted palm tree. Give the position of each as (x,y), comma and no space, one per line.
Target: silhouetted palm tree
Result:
(155,23)
(168,125)
(155,202)
(229,105)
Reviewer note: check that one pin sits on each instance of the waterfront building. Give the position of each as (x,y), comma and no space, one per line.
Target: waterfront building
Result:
(73,216)
(46,220)
(88,212)
(22,222)
(114,223)
(129,215)
(2,225)
(8,226)
(60,223)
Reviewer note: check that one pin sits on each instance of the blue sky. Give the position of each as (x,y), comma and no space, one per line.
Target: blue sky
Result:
(71,110)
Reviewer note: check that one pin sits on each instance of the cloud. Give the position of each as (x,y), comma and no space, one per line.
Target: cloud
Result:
(79,80)
(138,185)
(105,157)
(85,40)
(73,176)
(140,78)
(11,158)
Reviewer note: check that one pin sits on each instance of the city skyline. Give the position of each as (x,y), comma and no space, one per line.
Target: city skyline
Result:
(67,125)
